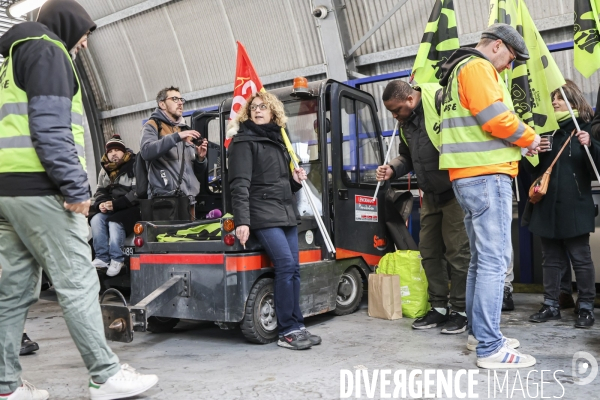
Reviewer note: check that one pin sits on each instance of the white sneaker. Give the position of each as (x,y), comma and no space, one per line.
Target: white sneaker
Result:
(125,383)
(506,358)
(27,392)
(115,268)
(99,264)
(472,342)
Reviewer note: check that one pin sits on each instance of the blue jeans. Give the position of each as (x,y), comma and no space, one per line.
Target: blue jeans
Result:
(487,203)
(109,237)
(281,245)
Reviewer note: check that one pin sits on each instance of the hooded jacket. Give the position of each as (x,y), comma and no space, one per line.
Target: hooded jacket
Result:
(43,71)
(163,155)
(479,93)
(262,188)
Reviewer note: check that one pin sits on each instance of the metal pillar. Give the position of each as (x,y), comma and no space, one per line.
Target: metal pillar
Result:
(331,40)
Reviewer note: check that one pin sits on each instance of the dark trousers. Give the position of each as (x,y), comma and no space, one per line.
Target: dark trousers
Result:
(443,236)
(281,245)
(555,255)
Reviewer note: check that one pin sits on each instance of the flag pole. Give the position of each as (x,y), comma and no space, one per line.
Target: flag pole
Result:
(562,92)
(320,223)
(387,156)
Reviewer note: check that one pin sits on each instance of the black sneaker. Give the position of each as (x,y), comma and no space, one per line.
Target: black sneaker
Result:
(585,319)
(456,324)
(507,301)
(27,345)
(546,313)
(432,319)
(313,339)
(294,341)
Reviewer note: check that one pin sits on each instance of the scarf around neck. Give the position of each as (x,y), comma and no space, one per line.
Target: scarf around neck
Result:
(113,168)
(563,115)
(271,130)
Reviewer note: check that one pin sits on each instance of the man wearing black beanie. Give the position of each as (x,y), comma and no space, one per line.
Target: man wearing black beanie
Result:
(44,198)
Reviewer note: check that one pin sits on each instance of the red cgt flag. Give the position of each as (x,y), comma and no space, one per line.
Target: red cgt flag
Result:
(246,83)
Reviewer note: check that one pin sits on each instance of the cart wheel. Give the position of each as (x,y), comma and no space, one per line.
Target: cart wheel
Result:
(260,322)
(161,324)
(350,292)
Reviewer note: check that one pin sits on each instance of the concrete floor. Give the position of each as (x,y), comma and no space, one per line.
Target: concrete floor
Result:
(200,361)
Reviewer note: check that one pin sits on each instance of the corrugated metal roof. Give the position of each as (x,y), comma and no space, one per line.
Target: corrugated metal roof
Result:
(191,44)
(6,23)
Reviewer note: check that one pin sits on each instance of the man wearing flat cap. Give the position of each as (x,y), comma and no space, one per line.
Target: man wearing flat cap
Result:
(115,205)
(481,141)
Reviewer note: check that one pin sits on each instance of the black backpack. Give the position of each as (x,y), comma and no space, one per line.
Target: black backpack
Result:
(141,170)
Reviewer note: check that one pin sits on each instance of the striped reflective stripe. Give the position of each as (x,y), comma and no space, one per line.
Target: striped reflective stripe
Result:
(23,142)
(76,119)
(491,111)
(21,109)
(459,122)
(13,108)
(518,134)
(474,147)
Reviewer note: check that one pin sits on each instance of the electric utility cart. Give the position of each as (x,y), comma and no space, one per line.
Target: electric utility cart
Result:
(335,132)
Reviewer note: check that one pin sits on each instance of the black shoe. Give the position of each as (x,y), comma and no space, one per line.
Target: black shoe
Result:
(507,301)
(585,319)
(431,320)
(27,345)
(294,341)
(546,313)
(456,324)
(313,339)
(565,300)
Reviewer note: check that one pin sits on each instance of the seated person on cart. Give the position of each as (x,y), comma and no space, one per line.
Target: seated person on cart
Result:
(114,209)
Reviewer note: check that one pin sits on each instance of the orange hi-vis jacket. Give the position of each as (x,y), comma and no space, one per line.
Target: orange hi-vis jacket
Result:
(478,89)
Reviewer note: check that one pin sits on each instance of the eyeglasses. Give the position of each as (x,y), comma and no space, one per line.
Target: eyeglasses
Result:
(262,106)
(176,99)
(514,57)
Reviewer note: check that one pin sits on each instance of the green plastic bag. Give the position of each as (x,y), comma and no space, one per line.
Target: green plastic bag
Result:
(413,282)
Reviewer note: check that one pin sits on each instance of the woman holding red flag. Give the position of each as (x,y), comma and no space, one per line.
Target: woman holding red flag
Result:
(262,193)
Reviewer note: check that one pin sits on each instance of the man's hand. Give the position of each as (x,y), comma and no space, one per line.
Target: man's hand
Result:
(188,136)
(535,143)
(78,208)
(202,150)
(384,172)
(242,232)
(584,138)
(299,175)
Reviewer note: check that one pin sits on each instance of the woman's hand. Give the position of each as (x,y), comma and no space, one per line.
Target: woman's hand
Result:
(299,175)
(584,138)
(242,232)
(202,150)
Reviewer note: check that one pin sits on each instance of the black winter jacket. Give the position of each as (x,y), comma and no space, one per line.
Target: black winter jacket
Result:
(260,181)
(44,72)
(567,210)
(421,156)
(121,192)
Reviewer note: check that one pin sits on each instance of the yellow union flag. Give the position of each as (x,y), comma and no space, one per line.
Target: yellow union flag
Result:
(586,37)
(533,81)
(503,11)
(439,41)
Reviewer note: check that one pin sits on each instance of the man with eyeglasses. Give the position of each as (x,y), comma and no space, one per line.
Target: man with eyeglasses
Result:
(481,141)
(166,143)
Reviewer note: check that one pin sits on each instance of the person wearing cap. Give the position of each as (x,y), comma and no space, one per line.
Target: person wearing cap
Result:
(44,198)
(115,206)
(481,141)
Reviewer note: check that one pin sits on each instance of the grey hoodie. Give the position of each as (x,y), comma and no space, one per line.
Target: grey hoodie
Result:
(163,159)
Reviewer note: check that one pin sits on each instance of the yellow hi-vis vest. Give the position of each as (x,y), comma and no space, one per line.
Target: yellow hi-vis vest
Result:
(432,118)
(464,143)
(16,148)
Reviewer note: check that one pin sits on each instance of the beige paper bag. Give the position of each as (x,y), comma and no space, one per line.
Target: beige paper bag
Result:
(384,296)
